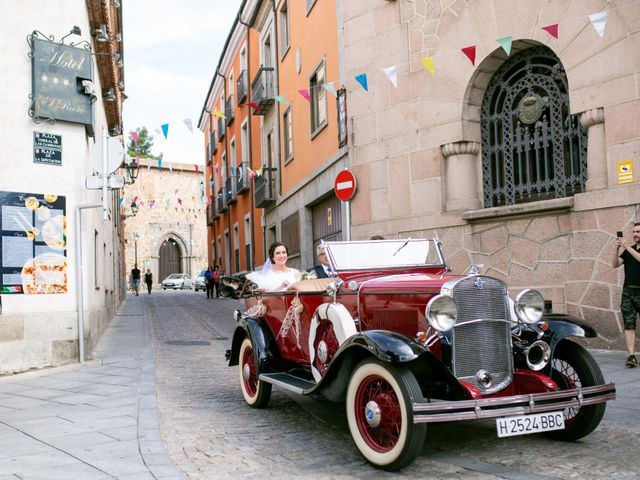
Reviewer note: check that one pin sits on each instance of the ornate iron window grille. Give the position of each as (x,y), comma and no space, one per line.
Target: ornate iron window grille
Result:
(532,147)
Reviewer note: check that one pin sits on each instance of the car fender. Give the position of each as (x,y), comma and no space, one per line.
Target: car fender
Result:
(264,345)
(563,326)
(389,347)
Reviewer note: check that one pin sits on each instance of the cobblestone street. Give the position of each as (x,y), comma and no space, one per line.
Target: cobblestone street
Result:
(209,432)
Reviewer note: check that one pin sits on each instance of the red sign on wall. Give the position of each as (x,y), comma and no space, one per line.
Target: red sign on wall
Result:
(345,185)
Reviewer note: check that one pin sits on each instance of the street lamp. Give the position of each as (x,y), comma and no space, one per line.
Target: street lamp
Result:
(134,210)
(136,237)
(131,171)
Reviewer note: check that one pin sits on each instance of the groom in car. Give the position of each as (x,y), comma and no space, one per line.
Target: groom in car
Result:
(324,269)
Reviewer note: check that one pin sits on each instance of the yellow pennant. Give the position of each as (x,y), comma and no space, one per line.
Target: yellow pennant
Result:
(427,62)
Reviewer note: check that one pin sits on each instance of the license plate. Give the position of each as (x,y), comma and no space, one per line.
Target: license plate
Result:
(534,423)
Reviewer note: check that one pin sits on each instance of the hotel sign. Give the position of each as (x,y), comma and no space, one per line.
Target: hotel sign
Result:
(58,72)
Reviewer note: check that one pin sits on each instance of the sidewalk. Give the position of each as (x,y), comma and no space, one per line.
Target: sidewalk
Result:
(93,421)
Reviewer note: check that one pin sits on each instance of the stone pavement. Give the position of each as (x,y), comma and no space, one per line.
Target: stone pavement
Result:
(99,420)
(93,421)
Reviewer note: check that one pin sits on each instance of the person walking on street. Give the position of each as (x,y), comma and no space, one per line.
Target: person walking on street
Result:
(630,303)
(208,282)
(148,279)
(216,281)
(135,278)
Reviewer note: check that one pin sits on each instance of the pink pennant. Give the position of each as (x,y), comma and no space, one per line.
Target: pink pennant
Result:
(138,160)
(134,136)
(253,105)
(551,30)
(176,192)
(470,52)
(196,167)
(305,93)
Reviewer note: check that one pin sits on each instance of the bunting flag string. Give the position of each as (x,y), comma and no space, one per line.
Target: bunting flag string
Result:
(165,130)
(362,80)
(392,74)
(281,99)
(305,93)
(427,62)
(551,30)
(505,43)
(599,21)
(189,124)
(330,88)
(253,105)
(470,52)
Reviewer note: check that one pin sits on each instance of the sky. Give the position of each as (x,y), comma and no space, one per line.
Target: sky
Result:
(171,50)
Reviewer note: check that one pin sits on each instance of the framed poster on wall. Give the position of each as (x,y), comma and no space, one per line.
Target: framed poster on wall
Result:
(33,243)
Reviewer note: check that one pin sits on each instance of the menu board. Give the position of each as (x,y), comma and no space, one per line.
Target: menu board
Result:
(33,243)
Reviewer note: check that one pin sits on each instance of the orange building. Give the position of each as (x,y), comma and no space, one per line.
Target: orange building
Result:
(288,136)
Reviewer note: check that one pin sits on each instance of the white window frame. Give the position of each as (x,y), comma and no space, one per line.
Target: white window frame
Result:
(287,134)
(285,30)
(318,96)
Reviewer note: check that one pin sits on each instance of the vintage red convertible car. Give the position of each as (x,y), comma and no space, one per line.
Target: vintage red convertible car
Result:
(404,343)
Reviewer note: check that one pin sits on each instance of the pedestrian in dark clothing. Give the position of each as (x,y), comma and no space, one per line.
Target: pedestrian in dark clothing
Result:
(208,282)
(135,279)
(630,304)
(216,280)
(148,279)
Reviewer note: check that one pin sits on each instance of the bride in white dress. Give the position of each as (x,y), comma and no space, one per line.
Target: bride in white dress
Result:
(275,275)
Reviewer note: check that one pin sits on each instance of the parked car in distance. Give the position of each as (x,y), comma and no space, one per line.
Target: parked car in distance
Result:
(177,281)
(200,282)
(401,342)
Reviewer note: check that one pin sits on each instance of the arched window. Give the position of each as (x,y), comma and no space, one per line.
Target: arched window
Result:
(532,147)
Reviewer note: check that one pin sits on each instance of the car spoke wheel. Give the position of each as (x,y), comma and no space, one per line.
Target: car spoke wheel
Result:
(256,392)
(325,345)
(380,414)
(574,367)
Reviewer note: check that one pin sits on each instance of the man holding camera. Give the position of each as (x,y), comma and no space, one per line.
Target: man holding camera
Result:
(630,304)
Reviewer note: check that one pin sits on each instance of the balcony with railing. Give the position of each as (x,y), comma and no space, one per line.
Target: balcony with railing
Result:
(263,90)
(221,129)
(230,190)
(264,189)
(220,201)
(229,109)
(241,87)
(242,178)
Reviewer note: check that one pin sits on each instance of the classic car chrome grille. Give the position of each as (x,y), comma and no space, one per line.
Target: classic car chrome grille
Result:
(482,351)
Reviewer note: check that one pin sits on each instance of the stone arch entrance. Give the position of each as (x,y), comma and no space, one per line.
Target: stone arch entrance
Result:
(170,258)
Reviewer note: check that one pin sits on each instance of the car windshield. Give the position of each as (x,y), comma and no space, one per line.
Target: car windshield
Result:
(174,276)
(369,254)
(202,273)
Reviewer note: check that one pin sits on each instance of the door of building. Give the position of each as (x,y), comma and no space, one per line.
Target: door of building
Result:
(170,261)
(326,217)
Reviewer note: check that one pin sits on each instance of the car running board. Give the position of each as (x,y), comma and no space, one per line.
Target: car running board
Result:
(287,381)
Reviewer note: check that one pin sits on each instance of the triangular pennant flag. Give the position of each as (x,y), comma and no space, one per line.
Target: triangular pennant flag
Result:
(189,123)
(158,131)
(305,93)
(250,173)
(470,52)
(599,21)
(138,160)
(505,43)
(427,62)
(159,163)
(165,129)
(392,74)
(211,185)
(195,165)
(331,89)
(121,200)
(551,30)
(176,191)
(170,166)
(220,115)
(134,137)
(362,80)
(233,171)
(281,99)
(253,105)
(148,164)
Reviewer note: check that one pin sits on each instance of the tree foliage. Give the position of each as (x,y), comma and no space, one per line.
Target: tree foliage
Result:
(143,147)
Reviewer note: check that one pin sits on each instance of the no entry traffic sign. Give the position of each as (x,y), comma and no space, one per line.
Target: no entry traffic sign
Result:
(345,185)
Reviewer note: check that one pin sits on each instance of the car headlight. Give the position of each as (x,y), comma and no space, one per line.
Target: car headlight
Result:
(441,313)
(529,306)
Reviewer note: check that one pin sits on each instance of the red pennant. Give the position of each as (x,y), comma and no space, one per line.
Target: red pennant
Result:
(196,167)
(305,93)
(253,105)
(470,52)
(551,30)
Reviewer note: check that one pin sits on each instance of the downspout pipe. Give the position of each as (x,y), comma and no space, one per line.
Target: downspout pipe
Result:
(252,219)
(80,277)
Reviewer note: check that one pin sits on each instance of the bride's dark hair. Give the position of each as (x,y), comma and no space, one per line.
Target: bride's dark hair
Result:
(273,247)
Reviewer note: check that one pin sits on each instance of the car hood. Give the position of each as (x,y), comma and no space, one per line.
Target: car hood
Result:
(400,282)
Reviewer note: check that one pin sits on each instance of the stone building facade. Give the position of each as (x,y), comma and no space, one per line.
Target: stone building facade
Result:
(437,155)
(168,234)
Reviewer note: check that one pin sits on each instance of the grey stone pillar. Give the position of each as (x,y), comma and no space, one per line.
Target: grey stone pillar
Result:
(593,120)
(461,174)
